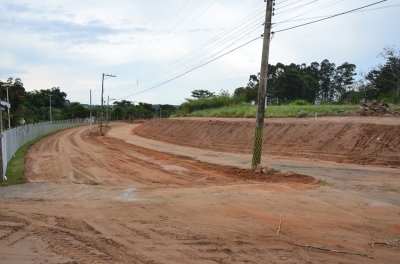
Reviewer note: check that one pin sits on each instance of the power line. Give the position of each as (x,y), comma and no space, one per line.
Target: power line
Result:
(359,11)
(317,8)
(296,8)
(286,5)
(165,70)
(184,28)
(195,68)
(215,39)
(133,59)
(329,17)
(167,33)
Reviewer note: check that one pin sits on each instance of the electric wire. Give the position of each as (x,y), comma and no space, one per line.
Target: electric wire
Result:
(133,59)
(199,66)
(241,23)
(286,5)
(319,20)
(173,67)
(210,57)
(317,8)
(223,34)
(183,29)
(359,11)
(203,64)
(296,8)
(163,37)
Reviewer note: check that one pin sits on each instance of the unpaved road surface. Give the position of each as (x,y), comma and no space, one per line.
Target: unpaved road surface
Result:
(121,198)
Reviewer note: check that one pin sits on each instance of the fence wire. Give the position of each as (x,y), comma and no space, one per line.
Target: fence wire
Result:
(15,138)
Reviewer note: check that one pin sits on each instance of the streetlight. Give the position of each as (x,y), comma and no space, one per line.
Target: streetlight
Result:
(102,92)
(8,101)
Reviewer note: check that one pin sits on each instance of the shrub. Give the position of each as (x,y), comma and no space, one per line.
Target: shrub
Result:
(302,113)
(211,102)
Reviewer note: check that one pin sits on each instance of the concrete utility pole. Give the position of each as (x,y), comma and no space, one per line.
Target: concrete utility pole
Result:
(108,100)
(8,102)
(102,92)
(8,110)
(262,88)
(3,106)
(50,109)
(90,110)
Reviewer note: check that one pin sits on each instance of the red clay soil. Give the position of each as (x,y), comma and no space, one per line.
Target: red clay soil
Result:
(333,139)
(100,199)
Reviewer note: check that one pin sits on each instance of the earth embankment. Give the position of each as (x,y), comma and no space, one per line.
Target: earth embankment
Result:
(360,141)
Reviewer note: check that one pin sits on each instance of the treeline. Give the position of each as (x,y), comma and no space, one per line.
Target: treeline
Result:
(327,83)
(33,107)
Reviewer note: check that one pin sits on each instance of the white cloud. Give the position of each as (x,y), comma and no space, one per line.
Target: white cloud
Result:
(69,44)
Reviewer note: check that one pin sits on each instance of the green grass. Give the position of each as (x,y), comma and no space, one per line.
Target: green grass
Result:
(247,110)
(15,168)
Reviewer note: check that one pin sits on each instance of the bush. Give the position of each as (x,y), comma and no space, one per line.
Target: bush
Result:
(302,113)
(211,102)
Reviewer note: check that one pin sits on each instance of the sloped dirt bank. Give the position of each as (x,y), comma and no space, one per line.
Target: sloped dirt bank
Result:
(366,141)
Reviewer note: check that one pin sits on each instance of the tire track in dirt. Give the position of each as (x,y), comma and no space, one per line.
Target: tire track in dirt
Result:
(154,207)
(72,238)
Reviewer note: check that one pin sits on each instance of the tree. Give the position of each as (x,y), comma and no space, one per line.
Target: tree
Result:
(74,110)
(326,81)
(201,93)
(16,95)
(310,88)
(38,99)
(249,93)
(251,90)
(389,73)
(344,77)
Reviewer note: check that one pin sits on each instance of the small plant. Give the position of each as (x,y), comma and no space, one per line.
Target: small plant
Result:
(323,182)
(393,241)
(273,170)
(302,113)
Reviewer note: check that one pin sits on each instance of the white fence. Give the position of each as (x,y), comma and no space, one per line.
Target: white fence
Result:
(15,138)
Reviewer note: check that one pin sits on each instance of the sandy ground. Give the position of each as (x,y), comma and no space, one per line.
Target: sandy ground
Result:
(122,198)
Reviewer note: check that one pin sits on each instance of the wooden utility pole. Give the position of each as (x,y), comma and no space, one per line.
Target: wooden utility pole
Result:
(102,92)
(258,137)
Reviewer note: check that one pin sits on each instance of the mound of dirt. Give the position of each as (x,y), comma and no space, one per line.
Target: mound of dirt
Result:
(347,142)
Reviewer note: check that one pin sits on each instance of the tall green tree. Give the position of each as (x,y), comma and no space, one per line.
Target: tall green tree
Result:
(326,81)
(344,77)
(74,110)
(386,77)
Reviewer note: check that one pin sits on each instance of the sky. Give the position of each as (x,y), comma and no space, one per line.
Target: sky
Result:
(154,48)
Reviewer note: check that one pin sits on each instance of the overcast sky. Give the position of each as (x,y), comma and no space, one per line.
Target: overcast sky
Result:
(70,44)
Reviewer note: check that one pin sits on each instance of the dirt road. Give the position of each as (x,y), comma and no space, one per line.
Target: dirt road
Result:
(113,199)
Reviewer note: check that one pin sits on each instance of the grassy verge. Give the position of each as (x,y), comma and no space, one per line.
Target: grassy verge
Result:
(248,110)
(15,168)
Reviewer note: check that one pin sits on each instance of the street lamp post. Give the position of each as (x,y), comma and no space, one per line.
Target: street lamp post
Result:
(8,101)
(102,92)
